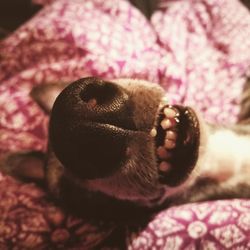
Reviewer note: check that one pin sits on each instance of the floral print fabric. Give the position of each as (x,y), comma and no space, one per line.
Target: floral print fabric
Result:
(198,51)
(208,225)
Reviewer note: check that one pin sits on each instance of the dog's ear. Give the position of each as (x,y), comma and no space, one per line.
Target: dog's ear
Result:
(27,166)
(45,94)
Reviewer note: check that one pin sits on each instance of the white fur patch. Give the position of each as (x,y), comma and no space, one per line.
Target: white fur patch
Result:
(227,155)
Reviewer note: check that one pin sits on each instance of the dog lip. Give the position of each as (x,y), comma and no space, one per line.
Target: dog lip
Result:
(191,124)
(110,125)
(185,154)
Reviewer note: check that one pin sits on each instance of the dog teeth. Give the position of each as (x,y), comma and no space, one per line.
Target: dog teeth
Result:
(170,117)
(167,123)
(177,120)
(169,144)
(170,112)
(163,153)
(171,135)
(164,166)
(153,132)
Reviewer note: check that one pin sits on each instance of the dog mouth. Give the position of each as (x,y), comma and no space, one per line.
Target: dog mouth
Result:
(177,139)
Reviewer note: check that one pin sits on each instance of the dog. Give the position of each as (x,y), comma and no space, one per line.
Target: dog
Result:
(117,150)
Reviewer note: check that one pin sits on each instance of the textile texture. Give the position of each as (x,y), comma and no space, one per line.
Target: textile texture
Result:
(197,50)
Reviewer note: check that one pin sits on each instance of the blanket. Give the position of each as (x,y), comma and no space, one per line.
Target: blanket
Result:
(197,50)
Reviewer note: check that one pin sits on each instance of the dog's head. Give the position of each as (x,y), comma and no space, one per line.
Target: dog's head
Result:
(109,137)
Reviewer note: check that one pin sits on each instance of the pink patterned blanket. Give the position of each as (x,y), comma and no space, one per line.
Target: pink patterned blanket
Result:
(198,50)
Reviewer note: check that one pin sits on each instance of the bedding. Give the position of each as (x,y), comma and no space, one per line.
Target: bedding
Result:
(198,50)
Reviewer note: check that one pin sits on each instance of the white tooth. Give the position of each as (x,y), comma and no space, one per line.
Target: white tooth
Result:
(177,120)
(171,135)
(162,153)
(164,166)
(153,132)
(167,123)
(169,112)
(169,144)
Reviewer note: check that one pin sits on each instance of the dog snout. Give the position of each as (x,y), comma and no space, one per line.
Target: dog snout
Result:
(91,122)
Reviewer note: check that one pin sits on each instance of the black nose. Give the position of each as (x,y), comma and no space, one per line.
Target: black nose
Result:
(90,124)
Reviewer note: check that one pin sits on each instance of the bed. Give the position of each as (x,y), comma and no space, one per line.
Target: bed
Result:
(197,50)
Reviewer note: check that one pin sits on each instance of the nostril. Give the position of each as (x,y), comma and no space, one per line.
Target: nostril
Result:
(90,117)
(100,93)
